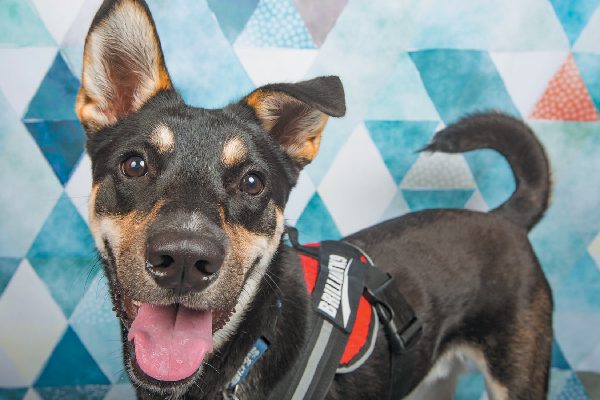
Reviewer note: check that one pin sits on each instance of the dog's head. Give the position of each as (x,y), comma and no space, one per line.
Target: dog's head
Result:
(187,203)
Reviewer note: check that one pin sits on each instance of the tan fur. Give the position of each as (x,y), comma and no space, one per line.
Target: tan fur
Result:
(163,139)
(129,34)
(302,146)
(248,246)
(234,152)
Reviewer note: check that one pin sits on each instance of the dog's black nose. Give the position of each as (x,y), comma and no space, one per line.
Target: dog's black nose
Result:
(183,262)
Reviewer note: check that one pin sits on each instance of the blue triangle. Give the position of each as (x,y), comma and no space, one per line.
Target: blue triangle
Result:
(573,390)
(232,19)
(71,364)
(460,82)
(574,15)
(315,223)
(424,199)
(8,266)
(63,255)
(399,141)
(493,176)
(585,273)
(55,98)
(12,394)
(82,392)
(589,65)
(61,142)
(558,358)
(470,386)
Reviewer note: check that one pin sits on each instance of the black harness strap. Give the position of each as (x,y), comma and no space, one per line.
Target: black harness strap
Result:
(339,286)
(400,324)
(335,305)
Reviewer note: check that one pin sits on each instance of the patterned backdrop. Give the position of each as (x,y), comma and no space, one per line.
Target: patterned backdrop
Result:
(408,67)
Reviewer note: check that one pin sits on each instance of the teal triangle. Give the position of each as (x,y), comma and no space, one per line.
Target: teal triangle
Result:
(573,390)
(585,273)
(470,386)
(12,394)
(558,358)
(492,174)
(399,142)
(63,255)
(232,19)
(460,82)
(71,364)
(80,392)
(574,15)
(589,65)
(315,223)
(8,266)
(61,142)
(55,98)
(424,199)
(21,25)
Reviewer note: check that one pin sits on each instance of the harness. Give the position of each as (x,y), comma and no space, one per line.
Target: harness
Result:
(351,300)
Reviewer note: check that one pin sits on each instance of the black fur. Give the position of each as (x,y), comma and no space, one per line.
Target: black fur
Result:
(471,277)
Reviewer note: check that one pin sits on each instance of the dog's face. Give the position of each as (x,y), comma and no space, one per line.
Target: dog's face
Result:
(187,203)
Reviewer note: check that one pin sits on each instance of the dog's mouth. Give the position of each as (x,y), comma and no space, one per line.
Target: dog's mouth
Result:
(167,343)
(170,341)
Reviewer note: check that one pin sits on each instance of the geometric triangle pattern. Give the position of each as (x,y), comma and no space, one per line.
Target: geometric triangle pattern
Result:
(574,15)
(409,69)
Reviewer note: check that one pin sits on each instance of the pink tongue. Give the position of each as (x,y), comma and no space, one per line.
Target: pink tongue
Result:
(170,343)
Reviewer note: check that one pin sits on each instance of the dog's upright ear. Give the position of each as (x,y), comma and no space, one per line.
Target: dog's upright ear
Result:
(123,64)
(294,114)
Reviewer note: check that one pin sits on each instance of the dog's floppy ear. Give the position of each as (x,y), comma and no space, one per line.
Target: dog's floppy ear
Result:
(294,114)
(123,64)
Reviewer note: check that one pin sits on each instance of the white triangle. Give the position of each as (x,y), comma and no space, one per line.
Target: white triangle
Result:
(589,40)
(299,198)
(77,32)
(36,322)
(594,249)
(271,65)
(477,203)
(80,185)
(357,190)
(526,74)
(32,395)
(439,171)
(21,73)
(57,17)
(403,96)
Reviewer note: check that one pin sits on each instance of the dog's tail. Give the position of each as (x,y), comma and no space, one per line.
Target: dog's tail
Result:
(525,154)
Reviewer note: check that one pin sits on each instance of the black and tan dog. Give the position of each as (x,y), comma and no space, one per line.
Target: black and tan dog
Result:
(187,213)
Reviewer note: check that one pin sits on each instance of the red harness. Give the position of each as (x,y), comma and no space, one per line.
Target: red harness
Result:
(363,331)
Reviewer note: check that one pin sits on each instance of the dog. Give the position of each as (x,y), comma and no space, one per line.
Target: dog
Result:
(186,210)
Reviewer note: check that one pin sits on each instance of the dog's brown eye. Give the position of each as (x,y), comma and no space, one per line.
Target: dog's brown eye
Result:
(134,167)
(252,184)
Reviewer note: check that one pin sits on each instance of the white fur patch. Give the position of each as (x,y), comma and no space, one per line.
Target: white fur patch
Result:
(443,375)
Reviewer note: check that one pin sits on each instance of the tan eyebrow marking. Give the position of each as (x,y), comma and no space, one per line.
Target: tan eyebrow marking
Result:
(163,139)
(234,152)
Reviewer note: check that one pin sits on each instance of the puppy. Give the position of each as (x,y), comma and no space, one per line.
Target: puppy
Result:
(187,214)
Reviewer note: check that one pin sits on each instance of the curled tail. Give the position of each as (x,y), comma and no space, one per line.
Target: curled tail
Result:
(519,145)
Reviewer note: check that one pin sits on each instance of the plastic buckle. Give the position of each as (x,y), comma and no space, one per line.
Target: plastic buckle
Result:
(400,342)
